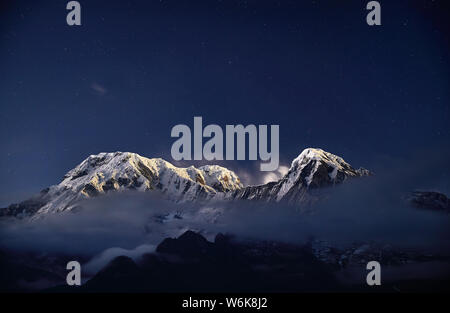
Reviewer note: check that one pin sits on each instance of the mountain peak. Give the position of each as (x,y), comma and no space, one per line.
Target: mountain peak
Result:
(318,168)
(120,171)
(313,168)
(318,161)
(317,154)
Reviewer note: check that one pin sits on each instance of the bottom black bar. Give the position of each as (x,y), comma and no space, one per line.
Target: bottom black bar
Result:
(209,302)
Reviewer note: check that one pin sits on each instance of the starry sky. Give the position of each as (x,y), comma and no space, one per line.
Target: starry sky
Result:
(134,69)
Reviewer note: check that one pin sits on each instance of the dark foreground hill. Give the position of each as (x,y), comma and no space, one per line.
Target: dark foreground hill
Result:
(190,263)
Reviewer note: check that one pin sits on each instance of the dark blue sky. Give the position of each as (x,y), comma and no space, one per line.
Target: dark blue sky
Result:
(134,69)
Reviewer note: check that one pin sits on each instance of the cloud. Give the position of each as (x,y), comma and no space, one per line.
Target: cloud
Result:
(247,177)
(99,261)
(125,220)
(270,177)
(98,89)
(275,175)
(363,210)
(283,170)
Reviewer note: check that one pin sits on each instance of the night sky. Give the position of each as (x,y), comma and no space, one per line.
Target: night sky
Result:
(135,69)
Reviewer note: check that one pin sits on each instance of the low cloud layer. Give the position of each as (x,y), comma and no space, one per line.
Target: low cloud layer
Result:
(99,261)
(275,175)
(121,220)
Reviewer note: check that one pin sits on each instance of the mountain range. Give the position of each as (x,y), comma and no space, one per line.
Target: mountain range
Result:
(224,264)
(121,171)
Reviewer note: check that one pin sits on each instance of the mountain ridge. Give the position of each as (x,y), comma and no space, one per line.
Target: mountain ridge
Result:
(313,169)
(118,171)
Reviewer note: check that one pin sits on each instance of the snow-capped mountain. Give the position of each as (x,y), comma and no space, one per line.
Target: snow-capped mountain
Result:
(119,171)
(312,169)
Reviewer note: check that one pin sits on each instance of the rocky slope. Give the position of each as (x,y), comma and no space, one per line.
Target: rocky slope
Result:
(191,263)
